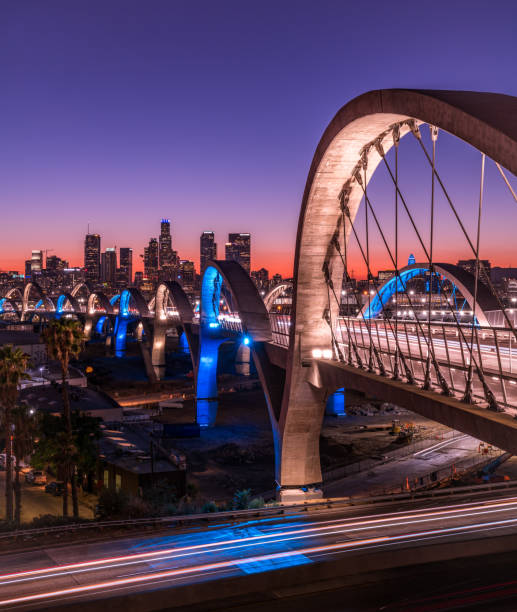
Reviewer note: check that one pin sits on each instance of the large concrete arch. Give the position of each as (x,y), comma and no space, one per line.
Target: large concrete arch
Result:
(464,281)
(81,285)
(255,326)
(29,287)
(63,300)
(12,303)
(487,121)
(171,291)
(273,294)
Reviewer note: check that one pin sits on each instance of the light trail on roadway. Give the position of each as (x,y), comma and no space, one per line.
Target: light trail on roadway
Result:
(257,546)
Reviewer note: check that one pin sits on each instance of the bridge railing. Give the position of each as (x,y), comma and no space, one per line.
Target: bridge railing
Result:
(280,325)
(493,352)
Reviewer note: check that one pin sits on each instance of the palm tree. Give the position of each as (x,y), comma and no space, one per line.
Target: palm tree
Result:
(24,434)
(13,363)
(64,339)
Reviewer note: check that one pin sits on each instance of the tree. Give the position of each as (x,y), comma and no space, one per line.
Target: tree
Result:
(64,339)
(25,430)
(13,363)
(56,450)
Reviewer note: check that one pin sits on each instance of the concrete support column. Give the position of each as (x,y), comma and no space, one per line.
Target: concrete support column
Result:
(183,346)
(336,403)
(120,335)
(158,349)
(206,381)
(88,326)
(242,360)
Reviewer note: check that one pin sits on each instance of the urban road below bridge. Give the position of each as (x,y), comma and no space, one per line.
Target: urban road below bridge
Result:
(229,561)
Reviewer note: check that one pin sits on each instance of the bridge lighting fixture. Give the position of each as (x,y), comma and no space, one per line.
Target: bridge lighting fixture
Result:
(212,325)
(514,299)
(246,340)
(411,292)
(433,312)
(327,354)
(317,353)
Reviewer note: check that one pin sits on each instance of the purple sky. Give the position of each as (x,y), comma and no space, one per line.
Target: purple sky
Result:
(118,113)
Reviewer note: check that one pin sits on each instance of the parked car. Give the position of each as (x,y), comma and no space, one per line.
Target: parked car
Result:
(55,487)
(36,477)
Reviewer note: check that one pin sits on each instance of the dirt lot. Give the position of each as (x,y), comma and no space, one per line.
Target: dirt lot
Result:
(238,453)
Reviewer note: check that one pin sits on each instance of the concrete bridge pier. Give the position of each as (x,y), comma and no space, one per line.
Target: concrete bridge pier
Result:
(158,348)
(336,404)
(206,380)
(242,360)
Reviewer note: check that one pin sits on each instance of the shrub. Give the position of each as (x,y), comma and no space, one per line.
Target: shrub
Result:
(209,506)
(241,499)
(256,503)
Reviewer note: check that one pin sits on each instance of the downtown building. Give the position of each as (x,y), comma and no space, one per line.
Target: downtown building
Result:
(92,257)
(151,261)
(109,266)
(167,257)
(207,249)
(238,248)
(125,271)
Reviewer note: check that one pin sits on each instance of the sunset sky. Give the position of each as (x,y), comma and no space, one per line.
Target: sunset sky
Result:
(116,114)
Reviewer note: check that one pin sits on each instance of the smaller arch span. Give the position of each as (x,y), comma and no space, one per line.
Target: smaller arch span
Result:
(276,292)
(463,280)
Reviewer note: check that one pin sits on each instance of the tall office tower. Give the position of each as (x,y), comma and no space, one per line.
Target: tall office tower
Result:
(92,257)
(165,244)
(36,262)
(238,248)
(470,266)
(27,268)
(207,248)
(56,264)
(139,278)
(187,275)
(151,260)
(126,265)
(109,266)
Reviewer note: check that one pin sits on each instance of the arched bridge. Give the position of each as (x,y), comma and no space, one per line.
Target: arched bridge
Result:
(452,365)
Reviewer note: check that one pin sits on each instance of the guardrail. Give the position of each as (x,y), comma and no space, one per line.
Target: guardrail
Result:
(280,509)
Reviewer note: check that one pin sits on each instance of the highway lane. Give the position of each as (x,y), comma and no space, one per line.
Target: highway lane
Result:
(32,580)
(449,352)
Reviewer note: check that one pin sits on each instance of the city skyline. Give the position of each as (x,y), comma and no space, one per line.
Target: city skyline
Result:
(207,120)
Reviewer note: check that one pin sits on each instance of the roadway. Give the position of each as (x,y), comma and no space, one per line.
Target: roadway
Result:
(82,575)
(449,351)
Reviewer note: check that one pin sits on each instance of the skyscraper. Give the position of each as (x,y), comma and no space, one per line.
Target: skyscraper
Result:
(238,248)
(109,266)
(92,257)
(187,275)
(151,260)
(207,248)
(165,244)
(126,265)
(36,262)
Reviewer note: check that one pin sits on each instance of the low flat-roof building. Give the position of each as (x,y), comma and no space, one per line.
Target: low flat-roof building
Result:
(131,460)
(48,398)
(29,342)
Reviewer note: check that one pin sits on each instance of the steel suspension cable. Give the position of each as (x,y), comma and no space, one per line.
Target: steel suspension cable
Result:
(337,246)
(506,181)
(346,211)
(416,132)
(427,381)
(380,150)
(396,142)
(443,383)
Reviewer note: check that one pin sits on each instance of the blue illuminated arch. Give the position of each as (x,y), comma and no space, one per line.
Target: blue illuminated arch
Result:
(390,287)
(461,280)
